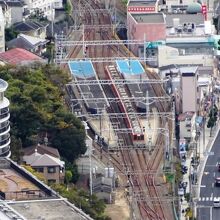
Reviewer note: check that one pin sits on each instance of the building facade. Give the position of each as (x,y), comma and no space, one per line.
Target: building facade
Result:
(189,89)
(4,121)
(2,31)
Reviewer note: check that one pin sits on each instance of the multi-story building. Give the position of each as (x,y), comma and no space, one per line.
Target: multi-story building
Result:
(189,89)
(2,31)
(45,8)
(4,121)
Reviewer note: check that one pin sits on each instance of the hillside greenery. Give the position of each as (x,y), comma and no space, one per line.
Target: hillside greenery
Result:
(37,108)
(83,200)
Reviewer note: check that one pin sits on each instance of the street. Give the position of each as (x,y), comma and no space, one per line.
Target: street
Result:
(208,190)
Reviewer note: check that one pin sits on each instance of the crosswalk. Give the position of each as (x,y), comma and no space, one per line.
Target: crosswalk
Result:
(207,199)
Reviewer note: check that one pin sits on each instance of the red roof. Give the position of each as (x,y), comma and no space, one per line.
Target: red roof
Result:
(18,56)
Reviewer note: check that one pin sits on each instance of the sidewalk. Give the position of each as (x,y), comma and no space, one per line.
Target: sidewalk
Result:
(204,145)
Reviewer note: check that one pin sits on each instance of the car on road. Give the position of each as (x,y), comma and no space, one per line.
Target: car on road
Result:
(217,181)
(216,202)
(219,167)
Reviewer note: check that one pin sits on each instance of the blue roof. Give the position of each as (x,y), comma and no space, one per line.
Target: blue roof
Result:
(130,67)
(82,69)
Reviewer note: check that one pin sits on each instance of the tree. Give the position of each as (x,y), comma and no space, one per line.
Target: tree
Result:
(10,33)
(36,106)
(68,176)
(213,115)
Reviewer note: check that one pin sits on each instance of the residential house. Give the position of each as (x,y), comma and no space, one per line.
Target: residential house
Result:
(33,44)
(45,160)
(19,56)
(32,28)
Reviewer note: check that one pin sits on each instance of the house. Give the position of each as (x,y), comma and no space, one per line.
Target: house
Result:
(45,160)
(32,28)
(33,44)
(19,56)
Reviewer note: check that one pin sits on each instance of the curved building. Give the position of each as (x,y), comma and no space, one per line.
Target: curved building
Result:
(4,122)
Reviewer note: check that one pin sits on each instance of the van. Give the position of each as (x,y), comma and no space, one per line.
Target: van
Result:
(216,202)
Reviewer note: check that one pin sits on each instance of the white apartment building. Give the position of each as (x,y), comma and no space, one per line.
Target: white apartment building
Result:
(4,122)
(47,7)
(2,31)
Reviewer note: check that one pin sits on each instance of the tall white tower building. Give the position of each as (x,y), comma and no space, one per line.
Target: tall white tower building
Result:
(4,122)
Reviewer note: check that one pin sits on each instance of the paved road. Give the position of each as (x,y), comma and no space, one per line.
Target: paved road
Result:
(208,190)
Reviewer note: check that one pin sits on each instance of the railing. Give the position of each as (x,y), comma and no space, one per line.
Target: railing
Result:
(5,128)
(5,141)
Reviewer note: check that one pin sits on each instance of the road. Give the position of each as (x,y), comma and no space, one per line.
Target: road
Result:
(208,190)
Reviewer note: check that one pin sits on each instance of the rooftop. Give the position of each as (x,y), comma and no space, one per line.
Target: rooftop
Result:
(19,56)
(150,18)
(197,19)
(42,149)
(25,26)
(142,3)
(50,209)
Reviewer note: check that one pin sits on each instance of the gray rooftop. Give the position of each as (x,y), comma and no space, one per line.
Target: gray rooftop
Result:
(150,18)
(48,209)
(142,3)
(184,18)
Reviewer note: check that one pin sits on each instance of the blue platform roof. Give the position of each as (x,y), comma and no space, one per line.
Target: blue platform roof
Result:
(130,67)
(82,69)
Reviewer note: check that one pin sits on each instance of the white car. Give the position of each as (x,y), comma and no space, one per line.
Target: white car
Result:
(216,202)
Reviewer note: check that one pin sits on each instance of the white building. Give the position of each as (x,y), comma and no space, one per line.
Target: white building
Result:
(46,7)
(4,122)
(2,31)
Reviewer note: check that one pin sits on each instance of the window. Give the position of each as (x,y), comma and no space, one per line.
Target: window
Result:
(51,169)
(39,169)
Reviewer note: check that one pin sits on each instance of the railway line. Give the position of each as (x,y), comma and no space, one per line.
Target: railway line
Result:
(134,159)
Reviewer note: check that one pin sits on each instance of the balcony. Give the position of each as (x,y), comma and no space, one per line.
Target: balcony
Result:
(5,152)
(5,127)
(4,142)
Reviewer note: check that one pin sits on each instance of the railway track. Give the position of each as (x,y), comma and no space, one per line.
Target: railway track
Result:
(135,159)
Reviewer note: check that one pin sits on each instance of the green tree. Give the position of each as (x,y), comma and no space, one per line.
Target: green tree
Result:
(213,115)
(10,33)
(36,96)
(68,176)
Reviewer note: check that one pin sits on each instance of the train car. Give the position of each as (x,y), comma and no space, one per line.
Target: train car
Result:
(137,137)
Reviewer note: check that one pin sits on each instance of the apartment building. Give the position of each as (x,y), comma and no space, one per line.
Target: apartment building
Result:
(4,121)
(2,31)
(46,7)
